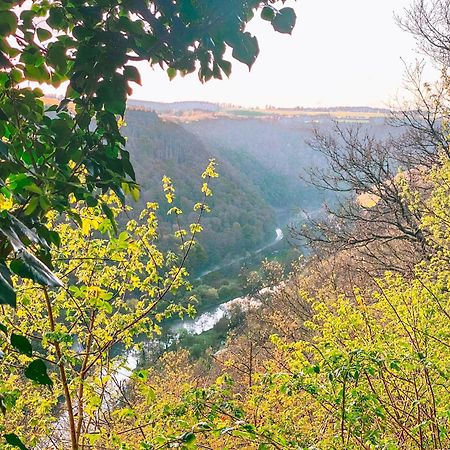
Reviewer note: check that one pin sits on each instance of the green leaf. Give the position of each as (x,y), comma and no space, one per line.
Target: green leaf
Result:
(32,205)
(116,105)
(56,56)
(110,215)
(37,371)
(246,49)
(7,294)
(284,21)
(43,34)
(56,18)
(22,344)
(188,438)
(172,73)
(34,188)
(3,328)
(8,23)
(28,266)
(268,13)
(14,440)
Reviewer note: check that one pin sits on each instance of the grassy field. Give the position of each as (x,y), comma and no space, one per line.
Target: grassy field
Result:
(238,113)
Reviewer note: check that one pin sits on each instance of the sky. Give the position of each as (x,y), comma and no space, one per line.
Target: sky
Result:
(341,53)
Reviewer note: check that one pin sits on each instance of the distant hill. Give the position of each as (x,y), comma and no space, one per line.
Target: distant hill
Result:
(174,107)
(220,110)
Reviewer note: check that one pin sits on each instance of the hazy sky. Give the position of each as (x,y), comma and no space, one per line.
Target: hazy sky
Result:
(342,52)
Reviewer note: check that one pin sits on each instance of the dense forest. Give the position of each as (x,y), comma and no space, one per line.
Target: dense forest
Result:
(242,218)
(123,323)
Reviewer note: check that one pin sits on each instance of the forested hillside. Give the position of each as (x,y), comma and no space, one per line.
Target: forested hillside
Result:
(272,153)
(241,218)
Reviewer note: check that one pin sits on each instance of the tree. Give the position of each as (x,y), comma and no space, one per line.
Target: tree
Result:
(371,371)
(65,350)
(372,213)
(429,23)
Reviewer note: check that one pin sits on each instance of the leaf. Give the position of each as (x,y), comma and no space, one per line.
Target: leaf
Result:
(188,438)
(8,23)
(32,205)
(172,73)
(110,215)
(12,237)
(116,105)
(56,56)
(225,66)
(131,73)
(22,344)
(14,440)
(62,130)
(37,371)
(63,104)
(21,228)
(43,34)
(284,21)
(246,49)
(268,13)
(7,294)
(3,328)
(135,193)
(28,266)
(4,61)
(56,18)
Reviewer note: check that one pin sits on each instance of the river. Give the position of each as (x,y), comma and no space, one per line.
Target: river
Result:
(208,319)
(278,237)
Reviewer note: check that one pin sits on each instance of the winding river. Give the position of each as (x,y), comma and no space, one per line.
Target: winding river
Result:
(278,237)
(206,320)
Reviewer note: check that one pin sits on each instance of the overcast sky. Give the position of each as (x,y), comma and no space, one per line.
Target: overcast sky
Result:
(342,52)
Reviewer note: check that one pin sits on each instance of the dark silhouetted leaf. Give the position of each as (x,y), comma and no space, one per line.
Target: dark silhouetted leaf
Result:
(110,215)
(20,228)
(22,344)
(284,21)
(28,266)
(132,74)
(37,371)
(7,294)
(246,49)
(14,440)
